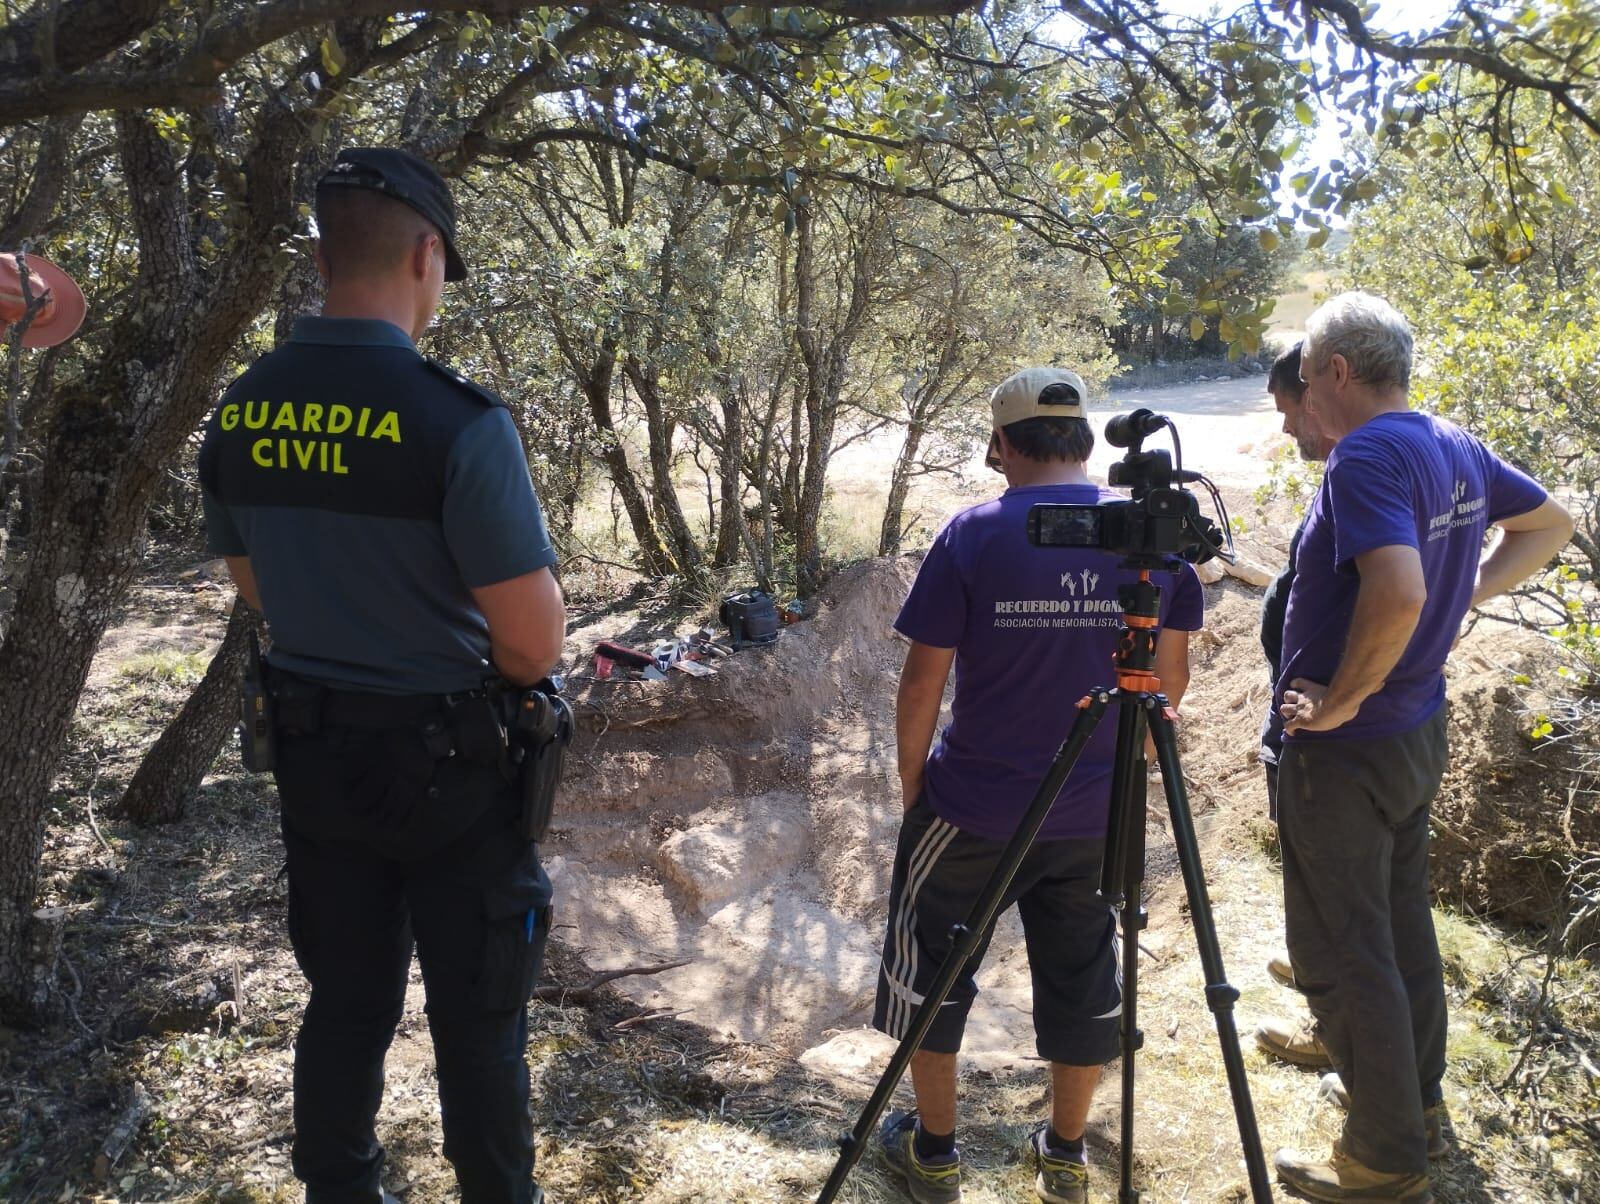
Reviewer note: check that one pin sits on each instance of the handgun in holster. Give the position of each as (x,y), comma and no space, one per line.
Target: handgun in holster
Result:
(542,728)
(258,741)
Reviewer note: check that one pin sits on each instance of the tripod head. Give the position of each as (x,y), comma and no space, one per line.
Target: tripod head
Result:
(1135,658)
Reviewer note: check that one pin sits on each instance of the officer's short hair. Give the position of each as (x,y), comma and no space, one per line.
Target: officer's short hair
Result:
(1046,439)
(362,232)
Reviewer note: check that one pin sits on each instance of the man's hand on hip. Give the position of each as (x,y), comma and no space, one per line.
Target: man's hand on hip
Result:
(1305,709)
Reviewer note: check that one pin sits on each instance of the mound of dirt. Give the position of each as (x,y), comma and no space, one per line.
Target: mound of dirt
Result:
(747,822)
(773,691)
(1512,815)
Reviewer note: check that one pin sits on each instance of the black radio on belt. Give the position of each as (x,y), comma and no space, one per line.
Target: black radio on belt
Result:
(257,739)
(541,729)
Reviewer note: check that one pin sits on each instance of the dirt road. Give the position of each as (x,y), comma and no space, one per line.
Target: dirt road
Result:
(1227,426)
(1229,430)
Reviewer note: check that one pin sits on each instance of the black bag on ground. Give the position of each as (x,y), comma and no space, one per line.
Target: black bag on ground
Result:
(750,617)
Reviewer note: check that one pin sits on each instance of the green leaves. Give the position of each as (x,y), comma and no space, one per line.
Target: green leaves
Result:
(333,56)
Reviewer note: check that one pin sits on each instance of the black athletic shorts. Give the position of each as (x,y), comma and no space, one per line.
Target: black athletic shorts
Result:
(939,871)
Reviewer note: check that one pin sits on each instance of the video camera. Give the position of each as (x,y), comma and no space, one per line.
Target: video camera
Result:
(1159,526)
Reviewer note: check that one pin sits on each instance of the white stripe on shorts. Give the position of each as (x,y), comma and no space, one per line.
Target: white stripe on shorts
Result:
(902,974)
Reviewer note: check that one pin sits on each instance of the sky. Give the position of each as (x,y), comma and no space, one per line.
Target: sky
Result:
(1395,15)
(1326,143)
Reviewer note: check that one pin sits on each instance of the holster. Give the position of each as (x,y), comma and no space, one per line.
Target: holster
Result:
(540,729)
(258,734)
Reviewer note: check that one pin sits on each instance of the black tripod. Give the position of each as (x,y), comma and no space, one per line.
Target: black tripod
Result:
(1142,707)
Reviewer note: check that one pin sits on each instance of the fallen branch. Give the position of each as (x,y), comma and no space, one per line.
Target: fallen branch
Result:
(94,827)
(585,992)
(139,922)
(645,1018)
(77,993)
(121,1136)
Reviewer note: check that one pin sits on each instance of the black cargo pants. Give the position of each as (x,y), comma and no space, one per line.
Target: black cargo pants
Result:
(1353,827)
(390,844)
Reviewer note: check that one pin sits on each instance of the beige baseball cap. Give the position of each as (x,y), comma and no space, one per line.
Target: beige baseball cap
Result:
(1017,397)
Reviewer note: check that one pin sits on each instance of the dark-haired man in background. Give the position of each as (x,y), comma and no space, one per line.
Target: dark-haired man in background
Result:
(1292,1040)
(376,507)
(1029,631)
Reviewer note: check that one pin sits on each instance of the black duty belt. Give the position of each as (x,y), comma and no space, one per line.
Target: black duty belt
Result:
(522,732)
(466,723)
(364,708)
(359,708)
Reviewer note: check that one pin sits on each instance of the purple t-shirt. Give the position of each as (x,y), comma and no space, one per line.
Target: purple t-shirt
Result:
(1034,630)
(1400,479)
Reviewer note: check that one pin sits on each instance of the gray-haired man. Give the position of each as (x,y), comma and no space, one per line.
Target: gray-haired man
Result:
(1388,565)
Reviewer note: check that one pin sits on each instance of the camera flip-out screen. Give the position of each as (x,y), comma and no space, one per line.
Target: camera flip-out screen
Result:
(1065,526)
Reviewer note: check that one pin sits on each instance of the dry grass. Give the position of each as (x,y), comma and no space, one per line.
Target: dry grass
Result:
(166,664)
(1295,306)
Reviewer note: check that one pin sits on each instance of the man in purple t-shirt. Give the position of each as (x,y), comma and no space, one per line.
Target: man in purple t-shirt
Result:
(1029,632)
(1388,565)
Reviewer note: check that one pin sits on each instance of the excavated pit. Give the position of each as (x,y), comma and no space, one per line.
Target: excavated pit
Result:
(747,822)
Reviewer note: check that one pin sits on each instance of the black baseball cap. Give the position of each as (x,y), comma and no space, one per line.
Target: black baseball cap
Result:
(408,179)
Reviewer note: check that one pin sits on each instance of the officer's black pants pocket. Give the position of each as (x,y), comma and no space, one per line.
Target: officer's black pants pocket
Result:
(393,787)
(516,926)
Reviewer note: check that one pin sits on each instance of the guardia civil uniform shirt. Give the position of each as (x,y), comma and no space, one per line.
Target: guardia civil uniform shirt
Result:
(372,490)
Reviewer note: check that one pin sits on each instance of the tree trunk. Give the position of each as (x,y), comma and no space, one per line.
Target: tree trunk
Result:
(595,381)
(111,433)
(826,357)
(890,533)
(658,431)
(172,770)
(789,492)
(803,479)
(571,496)
(170,773)
(642,366)
(732,525)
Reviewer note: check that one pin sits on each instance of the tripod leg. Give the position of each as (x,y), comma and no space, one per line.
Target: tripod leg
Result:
(1122,821)
(1134,919)
(968,935)
(1121,886)
(1220,996)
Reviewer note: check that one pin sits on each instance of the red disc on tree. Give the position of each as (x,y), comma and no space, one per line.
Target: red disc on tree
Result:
(58,319)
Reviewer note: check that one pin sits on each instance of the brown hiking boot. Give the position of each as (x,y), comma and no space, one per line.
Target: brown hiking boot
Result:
(1341,1178)
(1278,966)
(1435,1120)
(1293,1041)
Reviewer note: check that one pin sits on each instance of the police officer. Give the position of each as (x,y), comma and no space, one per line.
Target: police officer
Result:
(376,507)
